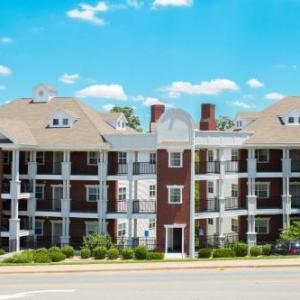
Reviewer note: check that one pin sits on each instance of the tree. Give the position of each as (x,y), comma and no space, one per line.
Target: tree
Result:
(291,232)
(224,123)
(133,120)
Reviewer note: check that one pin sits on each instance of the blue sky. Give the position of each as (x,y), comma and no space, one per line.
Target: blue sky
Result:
(241,55)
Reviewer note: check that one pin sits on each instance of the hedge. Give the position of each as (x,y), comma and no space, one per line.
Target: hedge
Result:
(204,253)
(85,253)
(240,249)
(127,253)
(113,253)
(141,252)
(99,252)
(155,255)
(68,251)
(255,251)
(223,252)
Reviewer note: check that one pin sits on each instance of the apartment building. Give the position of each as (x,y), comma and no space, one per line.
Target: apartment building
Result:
(68,170)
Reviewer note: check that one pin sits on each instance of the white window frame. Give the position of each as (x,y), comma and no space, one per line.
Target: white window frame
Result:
(91,223)
(152,158)
(6,158)
(172,187)
(210,221)
(122,193)
(88,187)
(122,159)
(89,158)
(234,225)
(63,122)
(210,184)
(234,155)
(152,224)
(42,227)
(55,125)
(122,229)
(210,156)
(267,227)
(42,185)
(152,191)
(262,161)
(43,162)
(170,161)
(234,190)
(261,183)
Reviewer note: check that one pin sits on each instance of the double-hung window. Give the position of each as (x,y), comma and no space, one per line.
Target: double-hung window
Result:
(262,190)
(262,225)
(175,159)
(122,193)
(91,227)
(92,193)
(39,227)
(6,158)
(40,158)
(262,155)
(121,229)
(39,191)
(234,190)
(234,155)
(175,194)
(122,158)
(152,191)
(151,224)
(92,158)
(210,187)
(152,158)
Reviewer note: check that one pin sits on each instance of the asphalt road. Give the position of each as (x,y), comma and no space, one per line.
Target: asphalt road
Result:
(281,283)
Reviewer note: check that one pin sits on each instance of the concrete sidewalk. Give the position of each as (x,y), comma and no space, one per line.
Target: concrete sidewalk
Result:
(181,265)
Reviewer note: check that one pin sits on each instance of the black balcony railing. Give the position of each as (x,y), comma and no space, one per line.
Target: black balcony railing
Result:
(231,203)
(123,242)
(119,206)
(295,201)
(143,206)
(140,168)
(207,167)
(208,205)
(214,241)
(295,165)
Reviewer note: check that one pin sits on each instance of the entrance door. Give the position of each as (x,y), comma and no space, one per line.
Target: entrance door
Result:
(56,232)
(295,193)
(174,240)
(57,196)
(58,158)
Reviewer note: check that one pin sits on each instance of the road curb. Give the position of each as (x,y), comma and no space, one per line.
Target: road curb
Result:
(160,268)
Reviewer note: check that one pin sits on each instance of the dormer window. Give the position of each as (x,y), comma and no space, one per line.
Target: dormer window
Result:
(291,120)
(62,119)
(65,122)
(55,122)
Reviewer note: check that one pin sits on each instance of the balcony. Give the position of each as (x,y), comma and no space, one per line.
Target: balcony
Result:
(83,170)
(295,165)
(231,203)
(296,202)
(26,187)
(143,168)
(207,167)
(54,169)
(267,203)
(119,206)
(50,204)
(208,205)
(119,169)
(143,206)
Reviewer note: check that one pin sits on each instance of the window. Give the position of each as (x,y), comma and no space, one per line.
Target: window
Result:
(262,226)
(152,224)
(262,189)
(122,194)
(262,155)
(175,194)
(39,227)
(299,120)
(55,122)
(91,227)
(92,158)
(175,159)
(40,158)
(122,158)
(210,221)
(152,191)
(6,158)
(153,158)
(291,120)
(39,192)
(121,229)
(234,225)
(65,122)
(92,193)
(210,187)
(234,155)
(210,155)
(234,190)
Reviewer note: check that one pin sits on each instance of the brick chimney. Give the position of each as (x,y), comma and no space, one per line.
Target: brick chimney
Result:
(156,111)
(208,120)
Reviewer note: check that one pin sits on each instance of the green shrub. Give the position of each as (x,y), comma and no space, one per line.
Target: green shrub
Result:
(204,253)
(99,252)
(42,257)
(85,253)
(255,251)
(266,249)
(41,250)
(223,252)
(113,253)
(127,253)
(68,251)
(24,257)
(240,249)
(56,256)
(95,240)
(54,249)
(155,255)
(2,251)
(141,252)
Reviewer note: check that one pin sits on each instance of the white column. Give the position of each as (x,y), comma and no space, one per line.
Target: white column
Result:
(192,203)
(14,221)
(286,197)
(31,203)
(251,198)
(130,200)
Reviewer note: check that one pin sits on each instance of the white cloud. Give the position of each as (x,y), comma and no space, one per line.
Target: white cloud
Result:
(108,107)
(254,83)
(274,96)
(2,87)
(5,71)
(69,78)
(242,104)
(213,87)
(112,91)
(87,12)
(6,40)
(148,101)
(163,3)
(135,3)
(287,67)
